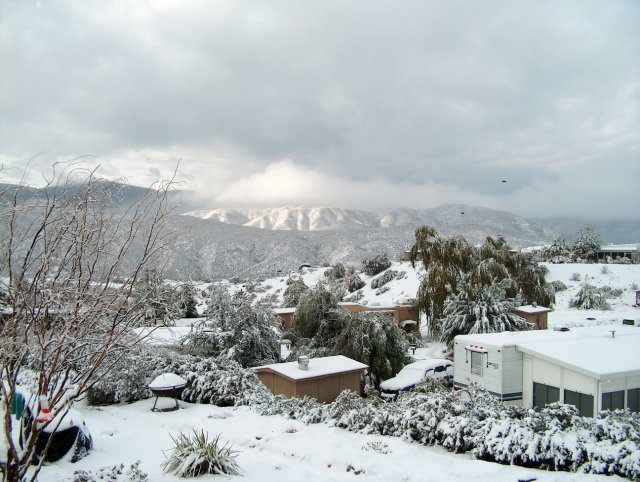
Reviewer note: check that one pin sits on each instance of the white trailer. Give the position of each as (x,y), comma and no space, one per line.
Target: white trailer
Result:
(594,368)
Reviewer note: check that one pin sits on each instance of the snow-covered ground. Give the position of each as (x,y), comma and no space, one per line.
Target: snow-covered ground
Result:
(277,449)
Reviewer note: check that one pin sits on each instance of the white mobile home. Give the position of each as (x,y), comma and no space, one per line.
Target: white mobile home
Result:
(593,368)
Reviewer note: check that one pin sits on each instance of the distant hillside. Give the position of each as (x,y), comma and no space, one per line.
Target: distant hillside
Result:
(448,218)
(250,244)
(617,231)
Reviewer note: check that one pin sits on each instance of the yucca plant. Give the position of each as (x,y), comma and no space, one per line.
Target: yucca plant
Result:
(195,455)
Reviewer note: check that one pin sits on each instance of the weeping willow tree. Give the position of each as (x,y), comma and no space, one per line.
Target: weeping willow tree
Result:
(444,261)
(448,263)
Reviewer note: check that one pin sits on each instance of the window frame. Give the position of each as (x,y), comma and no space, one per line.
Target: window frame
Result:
(476,367)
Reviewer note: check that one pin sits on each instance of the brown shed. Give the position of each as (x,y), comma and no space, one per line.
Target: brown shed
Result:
(283,318)
(534,314)
(323,379)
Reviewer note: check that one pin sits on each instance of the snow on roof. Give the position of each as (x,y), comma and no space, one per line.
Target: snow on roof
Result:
(589,350)
(516,338)
(318,367)
(283,311)
(533,309)
(618,248)
(164,335)
(616,356)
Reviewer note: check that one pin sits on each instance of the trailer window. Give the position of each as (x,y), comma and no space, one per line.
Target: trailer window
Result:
(613,400)
(476,363)
(582,401)
(544,394)
(633,400)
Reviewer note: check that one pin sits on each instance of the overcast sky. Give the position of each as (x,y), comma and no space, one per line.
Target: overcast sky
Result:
(359,104)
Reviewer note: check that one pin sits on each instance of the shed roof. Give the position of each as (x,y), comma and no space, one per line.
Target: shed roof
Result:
(318,367)
(532,309)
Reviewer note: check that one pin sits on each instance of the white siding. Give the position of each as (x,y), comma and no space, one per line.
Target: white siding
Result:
(527,381)
(493,375)
(547,373)
(512,372)
(579,383)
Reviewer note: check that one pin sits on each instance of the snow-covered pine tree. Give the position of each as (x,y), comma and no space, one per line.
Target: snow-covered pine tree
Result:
(479,309)
(292,293)
(588,243)
(589,298)
(242,330)
(187,297)
(558,248)
(378,264)
(159,300)
(374,339)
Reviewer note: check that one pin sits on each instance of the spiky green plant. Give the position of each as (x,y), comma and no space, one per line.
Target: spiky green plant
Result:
(194,455)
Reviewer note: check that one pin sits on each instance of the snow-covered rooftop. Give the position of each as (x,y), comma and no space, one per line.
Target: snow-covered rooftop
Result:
(318,367)
(617,355)
(533,309)
(590,350)
(517,338)
(163,335)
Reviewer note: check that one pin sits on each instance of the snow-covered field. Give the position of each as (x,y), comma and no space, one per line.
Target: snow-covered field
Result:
(277,449)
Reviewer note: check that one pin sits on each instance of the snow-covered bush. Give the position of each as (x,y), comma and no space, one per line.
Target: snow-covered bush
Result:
(117,473)
(383,290)
(243,331)
(222,382)
(305,409)
(355,283)
(383,279)
(128,379)
(195,455)
(609,292)
(372,267)
(473,421)
(218,381)
(338,271)
(604,269)
(557,286)
(589,298)
(575,277)
(292,294)
(588,243)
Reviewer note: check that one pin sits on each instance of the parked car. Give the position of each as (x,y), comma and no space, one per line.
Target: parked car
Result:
(414,373)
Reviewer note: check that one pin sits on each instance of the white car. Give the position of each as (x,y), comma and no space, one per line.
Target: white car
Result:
(414,373)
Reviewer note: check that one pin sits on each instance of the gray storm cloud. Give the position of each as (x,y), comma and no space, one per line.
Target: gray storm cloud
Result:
(356,104)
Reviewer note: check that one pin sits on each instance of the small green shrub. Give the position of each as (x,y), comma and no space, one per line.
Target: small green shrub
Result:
(195,455)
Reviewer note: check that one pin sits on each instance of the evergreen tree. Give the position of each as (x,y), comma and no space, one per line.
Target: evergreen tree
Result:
(480,309)
(559,247)
(242,331)
(378,264)
(292,293)
(159,300)
(587,244)
(374,339)
(589,298)
(187,296)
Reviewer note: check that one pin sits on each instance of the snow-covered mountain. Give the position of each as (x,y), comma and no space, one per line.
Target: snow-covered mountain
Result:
(259,243)
(448,218)
(292,218)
